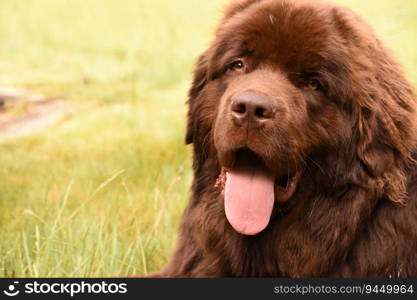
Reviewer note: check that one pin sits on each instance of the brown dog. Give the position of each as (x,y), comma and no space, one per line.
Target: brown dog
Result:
(304,132)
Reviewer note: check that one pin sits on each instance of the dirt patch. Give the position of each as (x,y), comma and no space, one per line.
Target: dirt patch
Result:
(23,112)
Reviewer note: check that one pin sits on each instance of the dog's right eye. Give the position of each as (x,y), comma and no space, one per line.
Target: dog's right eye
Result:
(237,66)
(312,85)
(309,81)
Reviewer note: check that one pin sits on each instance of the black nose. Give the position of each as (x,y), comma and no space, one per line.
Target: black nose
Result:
(249,107)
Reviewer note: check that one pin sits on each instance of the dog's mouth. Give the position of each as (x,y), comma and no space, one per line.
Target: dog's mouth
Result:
(251,189)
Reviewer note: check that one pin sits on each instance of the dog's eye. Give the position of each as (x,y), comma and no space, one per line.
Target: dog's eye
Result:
(312,85)
(237,66)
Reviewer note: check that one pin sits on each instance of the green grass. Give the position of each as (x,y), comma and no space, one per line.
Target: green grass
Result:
(101,192)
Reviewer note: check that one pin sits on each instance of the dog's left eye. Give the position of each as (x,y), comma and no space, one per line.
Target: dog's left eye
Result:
(237,66)
(312,85)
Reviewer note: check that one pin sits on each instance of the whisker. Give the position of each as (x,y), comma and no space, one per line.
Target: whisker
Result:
(317,164)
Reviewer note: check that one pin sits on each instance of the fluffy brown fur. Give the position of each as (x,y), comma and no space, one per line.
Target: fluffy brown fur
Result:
(345,121)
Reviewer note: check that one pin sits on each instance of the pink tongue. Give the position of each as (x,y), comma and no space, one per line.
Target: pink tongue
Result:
(249,198)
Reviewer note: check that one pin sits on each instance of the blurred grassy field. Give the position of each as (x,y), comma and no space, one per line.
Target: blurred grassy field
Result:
(101,192)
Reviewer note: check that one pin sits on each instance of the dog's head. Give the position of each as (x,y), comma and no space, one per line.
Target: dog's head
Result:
(287,83)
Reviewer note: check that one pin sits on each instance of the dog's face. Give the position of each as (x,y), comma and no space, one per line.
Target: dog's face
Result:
(281,73)
(276,87)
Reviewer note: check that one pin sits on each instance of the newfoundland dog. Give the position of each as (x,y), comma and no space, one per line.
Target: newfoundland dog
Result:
(304,135)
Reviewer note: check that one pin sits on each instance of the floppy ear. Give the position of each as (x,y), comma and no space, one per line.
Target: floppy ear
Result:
(384,109)
(199,81)
(375,156)
(387,126)
(382,157)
